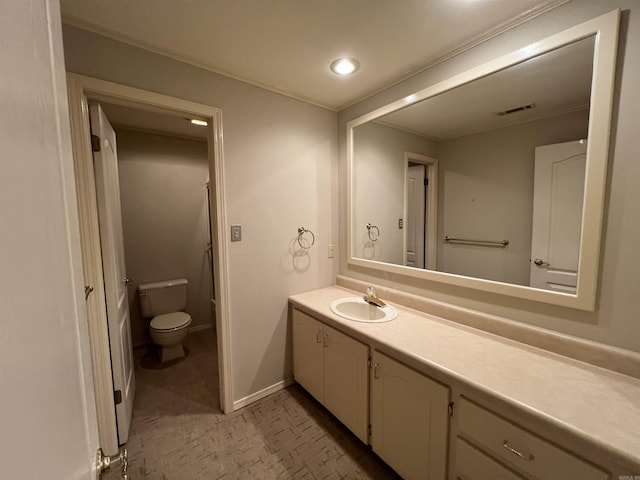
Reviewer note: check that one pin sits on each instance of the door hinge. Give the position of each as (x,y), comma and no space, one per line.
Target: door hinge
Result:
(369,430)
(117,396)
(95,143)
(426,182)
(452,408)
(104,463)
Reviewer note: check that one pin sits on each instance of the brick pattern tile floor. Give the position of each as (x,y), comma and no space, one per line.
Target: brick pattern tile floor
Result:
(179,433)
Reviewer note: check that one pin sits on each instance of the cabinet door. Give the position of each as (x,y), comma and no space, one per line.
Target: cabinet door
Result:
(409,420)
(346,375)
(308,368)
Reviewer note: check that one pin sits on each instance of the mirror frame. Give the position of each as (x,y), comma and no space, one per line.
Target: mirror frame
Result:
(605,29)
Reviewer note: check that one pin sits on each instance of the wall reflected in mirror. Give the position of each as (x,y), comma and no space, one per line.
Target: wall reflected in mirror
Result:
(499,158)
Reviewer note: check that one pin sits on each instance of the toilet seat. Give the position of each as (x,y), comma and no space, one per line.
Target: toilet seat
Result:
(170,321)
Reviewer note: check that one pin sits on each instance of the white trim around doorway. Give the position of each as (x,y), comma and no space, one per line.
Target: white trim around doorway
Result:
(431,213)
(80,89)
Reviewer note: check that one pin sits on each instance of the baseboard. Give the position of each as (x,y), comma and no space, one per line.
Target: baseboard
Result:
(197,328)
(265,392)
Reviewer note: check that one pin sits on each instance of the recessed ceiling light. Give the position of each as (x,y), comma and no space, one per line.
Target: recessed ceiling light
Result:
(202,123)
(345,66)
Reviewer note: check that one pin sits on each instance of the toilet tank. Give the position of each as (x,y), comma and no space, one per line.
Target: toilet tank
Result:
(158,298)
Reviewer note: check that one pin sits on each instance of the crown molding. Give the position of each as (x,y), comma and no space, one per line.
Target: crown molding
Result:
(127,40)
(482,38)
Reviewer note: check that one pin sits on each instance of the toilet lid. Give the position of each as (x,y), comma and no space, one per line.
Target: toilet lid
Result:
(170,321)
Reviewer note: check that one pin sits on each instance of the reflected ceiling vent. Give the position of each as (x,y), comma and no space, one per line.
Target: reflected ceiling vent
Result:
(516,109)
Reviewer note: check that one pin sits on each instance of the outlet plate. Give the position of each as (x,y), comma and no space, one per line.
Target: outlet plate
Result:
(236,233)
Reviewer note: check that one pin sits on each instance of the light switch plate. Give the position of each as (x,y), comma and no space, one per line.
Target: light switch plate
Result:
(236,233)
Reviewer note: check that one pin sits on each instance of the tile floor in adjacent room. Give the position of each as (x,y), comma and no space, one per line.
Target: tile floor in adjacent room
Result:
(179,433)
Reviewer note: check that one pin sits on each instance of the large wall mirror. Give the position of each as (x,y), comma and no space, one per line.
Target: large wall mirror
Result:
(493,179)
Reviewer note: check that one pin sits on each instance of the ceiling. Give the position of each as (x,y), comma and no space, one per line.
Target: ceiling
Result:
(287,45)
(152,122)
(556,83)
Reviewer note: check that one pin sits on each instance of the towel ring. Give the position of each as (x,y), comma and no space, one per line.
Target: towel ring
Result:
(301,232)
(373,237)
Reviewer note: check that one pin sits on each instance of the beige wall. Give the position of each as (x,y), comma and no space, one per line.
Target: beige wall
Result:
(280,160)
(379,187)
(47,407)
(164,219)
(486,192)
(615,321)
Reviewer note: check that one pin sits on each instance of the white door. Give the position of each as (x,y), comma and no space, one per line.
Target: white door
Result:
(414,223)
(557,215)
(111,241)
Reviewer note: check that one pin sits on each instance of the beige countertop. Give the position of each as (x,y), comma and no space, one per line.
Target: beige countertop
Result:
(598,405)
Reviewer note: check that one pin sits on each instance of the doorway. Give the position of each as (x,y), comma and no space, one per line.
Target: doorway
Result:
(81,89)
(420,211)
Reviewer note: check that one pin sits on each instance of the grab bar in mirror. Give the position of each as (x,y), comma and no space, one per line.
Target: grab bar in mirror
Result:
(482,243)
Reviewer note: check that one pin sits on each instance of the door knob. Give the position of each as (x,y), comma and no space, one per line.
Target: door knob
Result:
(128,282)
(540,262)
(87,291)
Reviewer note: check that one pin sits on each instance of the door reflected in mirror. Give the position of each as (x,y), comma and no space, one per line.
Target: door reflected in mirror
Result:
(500,158)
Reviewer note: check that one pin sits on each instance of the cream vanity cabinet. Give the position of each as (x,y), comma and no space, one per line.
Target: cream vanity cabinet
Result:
(408,414)
(409,419)
(332,367)
(489,447)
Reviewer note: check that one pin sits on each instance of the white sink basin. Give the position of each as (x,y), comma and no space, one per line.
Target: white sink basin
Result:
(355,308)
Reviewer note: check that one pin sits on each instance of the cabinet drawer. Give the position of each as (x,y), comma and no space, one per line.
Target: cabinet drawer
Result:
(472,464)
(520,447)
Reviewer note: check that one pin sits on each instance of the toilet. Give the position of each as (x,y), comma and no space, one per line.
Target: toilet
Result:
(163,302)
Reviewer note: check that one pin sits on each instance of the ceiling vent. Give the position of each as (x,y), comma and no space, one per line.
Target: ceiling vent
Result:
(516,109)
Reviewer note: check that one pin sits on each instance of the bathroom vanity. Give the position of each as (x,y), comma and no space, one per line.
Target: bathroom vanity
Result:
(438,399)
(451,393)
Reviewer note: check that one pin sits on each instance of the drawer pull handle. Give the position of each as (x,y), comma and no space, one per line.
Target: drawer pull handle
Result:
(318,336)
(375,371)
(526,457)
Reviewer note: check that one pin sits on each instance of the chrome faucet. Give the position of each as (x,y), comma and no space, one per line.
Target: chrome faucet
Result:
(372,298)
